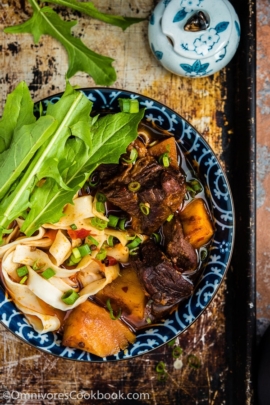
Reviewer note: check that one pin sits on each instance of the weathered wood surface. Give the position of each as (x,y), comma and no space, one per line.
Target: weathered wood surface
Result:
(24,369)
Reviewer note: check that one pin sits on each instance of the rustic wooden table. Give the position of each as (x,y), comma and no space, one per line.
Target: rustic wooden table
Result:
(26,373)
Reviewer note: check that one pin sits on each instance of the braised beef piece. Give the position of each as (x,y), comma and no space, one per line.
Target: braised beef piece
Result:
(180,251)
(162,281)
(161,189)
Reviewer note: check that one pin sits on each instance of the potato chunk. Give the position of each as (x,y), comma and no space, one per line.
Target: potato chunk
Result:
(125,292)
(166,146)
(197,226)
(90,327)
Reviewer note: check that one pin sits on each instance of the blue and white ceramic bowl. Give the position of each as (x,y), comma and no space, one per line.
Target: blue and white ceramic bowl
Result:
(200,155)
(196,53)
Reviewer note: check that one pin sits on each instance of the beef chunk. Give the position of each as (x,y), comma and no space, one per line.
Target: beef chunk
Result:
(164,283)
(161,189)
(180,251)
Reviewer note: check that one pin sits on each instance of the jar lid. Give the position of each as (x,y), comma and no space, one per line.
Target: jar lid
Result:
(179,22)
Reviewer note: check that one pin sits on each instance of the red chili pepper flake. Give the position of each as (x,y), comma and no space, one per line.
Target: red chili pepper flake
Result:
(78,233)
(110,261)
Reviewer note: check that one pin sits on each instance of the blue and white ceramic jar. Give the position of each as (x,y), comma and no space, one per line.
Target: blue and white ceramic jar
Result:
(194,38)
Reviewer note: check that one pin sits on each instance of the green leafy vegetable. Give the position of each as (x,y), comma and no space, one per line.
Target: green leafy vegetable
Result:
(18,110)
(45,21)
(89,9)
(58,153)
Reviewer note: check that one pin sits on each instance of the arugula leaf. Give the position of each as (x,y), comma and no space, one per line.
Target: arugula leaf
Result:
(45,21)
(26,141)
(72,107)
(18,111)
(111,135)
(90,9)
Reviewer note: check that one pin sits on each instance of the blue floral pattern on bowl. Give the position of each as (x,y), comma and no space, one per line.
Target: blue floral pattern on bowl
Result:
(201,157)
(180,48)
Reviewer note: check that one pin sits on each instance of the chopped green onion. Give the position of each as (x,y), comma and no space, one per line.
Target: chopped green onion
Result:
(135,243)
(93,240)
(100,207)
(73,260)
(114,318)
(101,254)
(22,271)
(70,297)
(203,253)
(23,280)
(36,266)
(40,109)
(110,240)
(132,157)
(48,273)
(193,361)
(122,224)
(76,253)
(7,231)
(157,237)
(196,185)
(177,351)
(164,159)
(134,251)
(172,342)
(100,197)
(129,105)
(92,181)
(134,186)
(113,221)
(99,223)
(170,217)
(145,209)
(160,368)
(148,320)
(73,227)
(84,250)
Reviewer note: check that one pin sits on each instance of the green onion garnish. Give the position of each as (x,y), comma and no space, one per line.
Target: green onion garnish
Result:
(135,243)
(157,237)
(22,271)
(203,253)
(6,231)
(100,197)
(48,273)
(84,250)
(134,186)
(113,221)
(134,252)
(73,260)
(122,224)
(128,105)
(23,280)
(164,159)
(100,207)
(132,157)
(110,240)
(101,254)
(177,351)
(172,342)
(145,209)
(76,253)
(73,227)
(196,185)
(170,217)
(160,368)
(93,240)
(36,266)
(193,361)
(99,223)
(92,181)
(114,318)
(70,297)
